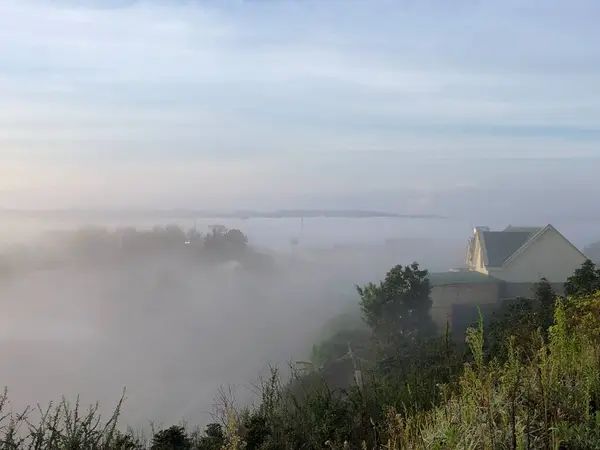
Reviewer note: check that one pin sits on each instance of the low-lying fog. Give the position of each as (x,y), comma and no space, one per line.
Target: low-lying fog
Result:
(169,333)
(172,332)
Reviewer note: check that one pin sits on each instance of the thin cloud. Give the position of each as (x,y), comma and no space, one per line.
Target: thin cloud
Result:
(283,83)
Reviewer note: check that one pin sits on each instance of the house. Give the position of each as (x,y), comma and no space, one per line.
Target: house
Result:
(523,254)
(502,265)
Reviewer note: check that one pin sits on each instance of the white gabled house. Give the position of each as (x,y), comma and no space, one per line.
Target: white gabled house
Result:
(501,265)
(523,254)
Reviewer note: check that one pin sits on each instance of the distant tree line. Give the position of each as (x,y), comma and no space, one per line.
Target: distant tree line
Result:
(97,245)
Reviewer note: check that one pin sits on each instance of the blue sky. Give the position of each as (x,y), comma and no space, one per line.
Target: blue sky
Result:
(257,103)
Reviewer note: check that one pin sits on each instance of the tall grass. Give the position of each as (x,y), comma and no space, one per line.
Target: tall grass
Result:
(60,426)
(548,401)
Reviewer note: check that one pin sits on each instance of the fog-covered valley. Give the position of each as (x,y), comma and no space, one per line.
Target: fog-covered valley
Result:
(170,325)
(94,310)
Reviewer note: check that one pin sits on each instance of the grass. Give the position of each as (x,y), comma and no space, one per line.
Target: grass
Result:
(60,426)
(547,400)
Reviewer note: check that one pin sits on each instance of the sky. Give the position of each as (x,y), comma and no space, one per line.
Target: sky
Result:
(266,103)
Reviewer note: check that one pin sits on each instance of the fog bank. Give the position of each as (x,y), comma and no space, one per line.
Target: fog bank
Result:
(172,332)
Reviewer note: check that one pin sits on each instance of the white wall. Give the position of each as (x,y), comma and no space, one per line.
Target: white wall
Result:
(479,265)
(550,256)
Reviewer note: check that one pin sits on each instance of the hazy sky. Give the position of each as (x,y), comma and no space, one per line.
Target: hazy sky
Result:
(250,103)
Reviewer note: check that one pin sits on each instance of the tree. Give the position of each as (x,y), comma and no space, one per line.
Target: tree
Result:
(126,442)
(521,318)
(236,240)
(225,242)
(585,280)
(213,439)
(398,307)
(174,234)
(545,298)
(257,431)
(515,318)
(173,438)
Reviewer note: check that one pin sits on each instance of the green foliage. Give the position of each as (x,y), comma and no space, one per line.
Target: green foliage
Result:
(124,441)
(585,280)
(537,388)
(520,319)
(173,438)
(61,426)
(516,318)
(397,309)
(545,299)
(540,403)
(213,439)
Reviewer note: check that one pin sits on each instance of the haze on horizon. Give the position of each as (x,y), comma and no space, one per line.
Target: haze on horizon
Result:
(404,106)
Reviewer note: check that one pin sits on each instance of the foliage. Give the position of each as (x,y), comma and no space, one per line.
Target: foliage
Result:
(61,426)
(585,280)
(521,318)
(544,402)
(173,438)
(397,309)
(224,240)
(94,246)
(538,388)
(545,299)
(213,438)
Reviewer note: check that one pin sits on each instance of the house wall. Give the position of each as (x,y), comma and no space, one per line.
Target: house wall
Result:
(550,256)
(445,297)
(478,265)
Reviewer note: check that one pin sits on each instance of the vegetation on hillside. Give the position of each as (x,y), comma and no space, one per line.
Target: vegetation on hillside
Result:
(526,377)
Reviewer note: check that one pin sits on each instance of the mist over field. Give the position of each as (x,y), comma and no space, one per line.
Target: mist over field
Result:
(173,331)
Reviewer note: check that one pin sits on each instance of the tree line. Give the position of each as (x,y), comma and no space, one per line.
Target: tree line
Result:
(97,246)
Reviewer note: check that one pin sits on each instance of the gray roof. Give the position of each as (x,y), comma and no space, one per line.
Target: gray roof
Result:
(501,245)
